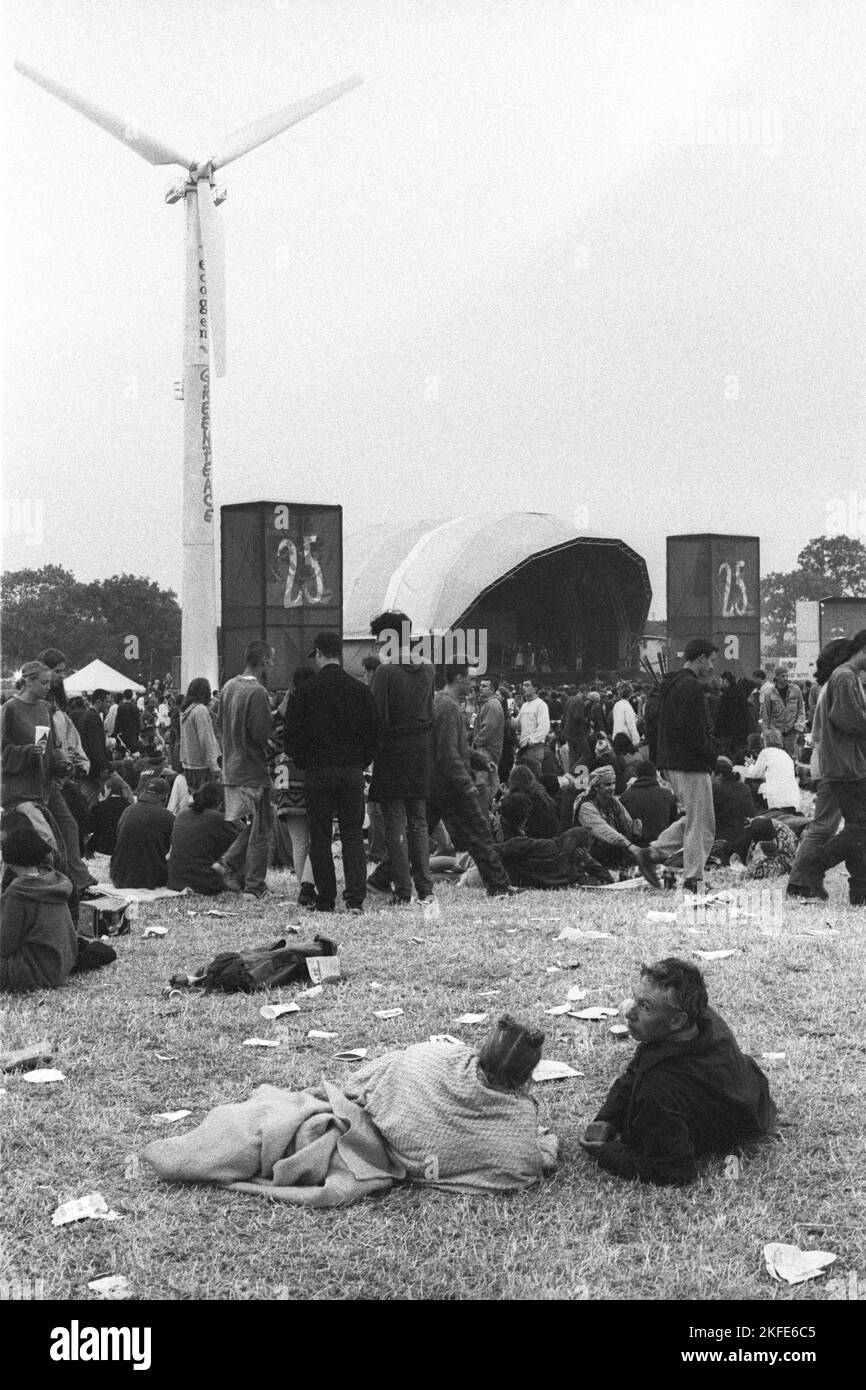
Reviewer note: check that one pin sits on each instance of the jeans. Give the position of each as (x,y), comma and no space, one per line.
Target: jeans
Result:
(299,834)
(408,845)
(330,791)
(694,792)
(850,842)
(469,829)
(248,858)
(823,825)
(68,826)
(378,848)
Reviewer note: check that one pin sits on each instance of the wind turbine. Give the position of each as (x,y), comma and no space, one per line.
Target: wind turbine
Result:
(204,331)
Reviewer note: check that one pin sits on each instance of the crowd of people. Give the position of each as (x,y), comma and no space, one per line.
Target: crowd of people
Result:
(472,781)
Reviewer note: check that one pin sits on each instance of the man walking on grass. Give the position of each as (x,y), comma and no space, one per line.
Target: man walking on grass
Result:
(330,733)
(246,724)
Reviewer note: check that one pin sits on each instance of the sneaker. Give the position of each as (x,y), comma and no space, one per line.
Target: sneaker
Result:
(262,892)
(646,862)
(229,882)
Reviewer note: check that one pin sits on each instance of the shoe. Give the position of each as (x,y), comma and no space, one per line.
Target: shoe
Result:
(323,907)
(698,887)
(355,911)
(394,901)
(815,885)
(262,892)
(307,895)
(509,892)
(800,890)
(646,862)
(229,882)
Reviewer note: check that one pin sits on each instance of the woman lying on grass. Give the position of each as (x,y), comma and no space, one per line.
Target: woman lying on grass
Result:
(436,1112)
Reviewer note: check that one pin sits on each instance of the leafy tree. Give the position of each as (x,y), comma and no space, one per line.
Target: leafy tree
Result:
(839,562)
(827,566)
(50,608)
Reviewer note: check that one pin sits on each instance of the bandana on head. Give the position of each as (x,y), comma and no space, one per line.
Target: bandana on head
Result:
(603,776)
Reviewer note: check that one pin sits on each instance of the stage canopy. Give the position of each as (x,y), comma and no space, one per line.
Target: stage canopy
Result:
(97,676)
(536,587)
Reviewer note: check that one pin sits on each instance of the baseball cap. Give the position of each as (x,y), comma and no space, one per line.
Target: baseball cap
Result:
(328,643)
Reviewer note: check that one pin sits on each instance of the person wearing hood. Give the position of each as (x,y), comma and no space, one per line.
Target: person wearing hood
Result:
(143,840)
(648,801)
(686,757)
(688,1090)
(402,689)
(199,750)
(38,945)
(732,715)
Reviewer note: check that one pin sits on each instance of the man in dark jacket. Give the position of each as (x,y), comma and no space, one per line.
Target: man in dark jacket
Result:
(686,756)
(402,689)
(687,1091)
(649,802)
(454,795)
(127,723)
(91,728)
(143,840)
(330,733)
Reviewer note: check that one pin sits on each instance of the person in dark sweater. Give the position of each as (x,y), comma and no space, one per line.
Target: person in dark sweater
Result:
(688,1090)
(143,840)
(198,837)
(560,861)
(92,731)
(127,722)
(732,715)
(38,946)
(543,821)
(330,733)
(649,802)
(733,806)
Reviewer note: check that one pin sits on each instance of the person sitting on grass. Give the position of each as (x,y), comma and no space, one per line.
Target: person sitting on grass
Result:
(200,835)
(560,861)
(688,1090)
(38,946)
(143,839)
(614,833)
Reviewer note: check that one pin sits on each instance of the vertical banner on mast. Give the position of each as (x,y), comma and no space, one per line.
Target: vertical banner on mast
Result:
(198,590)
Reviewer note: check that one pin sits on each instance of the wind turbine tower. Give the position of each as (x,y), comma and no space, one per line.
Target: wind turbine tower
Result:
(204,336)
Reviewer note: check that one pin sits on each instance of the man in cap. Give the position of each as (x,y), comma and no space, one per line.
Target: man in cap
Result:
(246,725)
(330,732)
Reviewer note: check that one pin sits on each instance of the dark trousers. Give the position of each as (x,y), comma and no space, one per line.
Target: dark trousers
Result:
(339,791)
(850,842)
(469,829)
(408,848)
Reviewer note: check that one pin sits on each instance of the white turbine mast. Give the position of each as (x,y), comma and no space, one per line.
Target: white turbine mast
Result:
(204,331)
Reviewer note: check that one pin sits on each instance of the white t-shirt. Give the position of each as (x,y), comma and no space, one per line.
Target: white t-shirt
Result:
(533,722)
(780,787)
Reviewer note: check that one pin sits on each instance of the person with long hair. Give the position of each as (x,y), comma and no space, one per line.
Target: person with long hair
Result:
(28,750)
(199,836)
(291,809)
(775,774)
(543,822)
(199,750)
(65,802)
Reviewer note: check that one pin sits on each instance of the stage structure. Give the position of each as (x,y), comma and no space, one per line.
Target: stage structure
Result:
(549,602)
(714,590)
(204,329)
(282,581)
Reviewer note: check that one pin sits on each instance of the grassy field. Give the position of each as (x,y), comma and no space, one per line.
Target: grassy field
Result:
(793,987)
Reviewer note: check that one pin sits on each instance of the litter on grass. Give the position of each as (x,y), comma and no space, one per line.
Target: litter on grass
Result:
(261,1042)
(320,1033)
(552,969)
(170,1116)
(575,934)
(575,994)
(155,931)
(446,1038)
(713,955)
(620,1030)
(351,1054)
(165,1056)
(387,1013)
(772,1056)
(312,993)
(471,1018)
(791,1265)
(24,1056)
(321,969)
(558,1009)
(112,1286)
(488,993)
(82,1208)
(548,1070)
(595,1013)
(42,1075)
(277,1010)
(661,916)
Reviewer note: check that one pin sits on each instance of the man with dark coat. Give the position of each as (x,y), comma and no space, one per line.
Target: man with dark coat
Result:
(649,802)
(127,722)
(330,734)
(687,1091)
(686,757)
(402,689)
(143,840)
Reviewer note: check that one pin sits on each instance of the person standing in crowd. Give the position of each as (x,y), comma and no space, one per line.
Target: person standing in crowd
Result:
(70,761)
(127,722)
(330,732)
(576,729)
(532,723)
(843,765)
(246,724)
(732,716)
(624,719)
(454,796)
(199,750)
(28,749)
(686,757)
(782,709)
(92,731)
(488,736)
(403,693)
(826,816)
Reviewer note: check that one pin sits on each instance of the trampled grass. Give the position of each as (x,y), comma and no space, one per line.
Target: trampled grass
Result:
(128,1053)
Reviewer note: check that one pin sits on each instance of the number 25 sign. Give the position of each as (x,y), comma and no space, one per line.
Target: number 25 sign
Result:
(734,595)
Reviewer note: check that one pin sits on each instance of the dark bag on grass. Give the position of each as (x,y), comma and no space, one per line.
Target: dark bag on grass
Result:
(263,967)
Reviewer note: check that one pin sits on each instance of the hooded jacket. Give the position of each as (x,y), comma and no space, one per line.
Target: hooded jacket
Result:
(684,743)
(38,945)
(677,1101)
(843,727)
(403,694)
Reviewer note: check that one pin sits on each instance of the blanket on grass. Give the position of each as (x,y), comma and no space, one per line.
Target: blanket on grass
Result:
(424,1113)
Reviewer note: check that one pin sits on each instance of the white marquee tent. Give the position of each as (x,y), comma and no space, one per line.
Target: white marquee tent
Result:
(98,676)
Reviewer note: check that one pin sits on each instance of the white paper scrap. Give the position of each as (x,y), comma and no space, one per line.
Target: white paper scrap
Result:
(261,1042)
(575,934)
(548,1070)
(312,993)
(277,1010)
(42,1075)
(81,1208)
(387,1013)
(595,1013)
(575,994)
(171,1115)
(558,1009)
(713,955)
(446,1038)
(793,1265)
(320,1033)
(155,931)
(471,1018)
(351,1054)
(620,1030)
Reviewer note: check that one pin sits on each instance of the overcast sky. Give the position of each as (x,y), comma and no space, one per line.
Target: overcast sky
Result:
(550,256)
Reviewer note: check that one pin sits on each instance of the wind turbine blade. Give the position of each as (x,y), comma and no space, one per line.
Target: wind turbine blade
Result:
(214,254)
(151,149)
(242,141)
